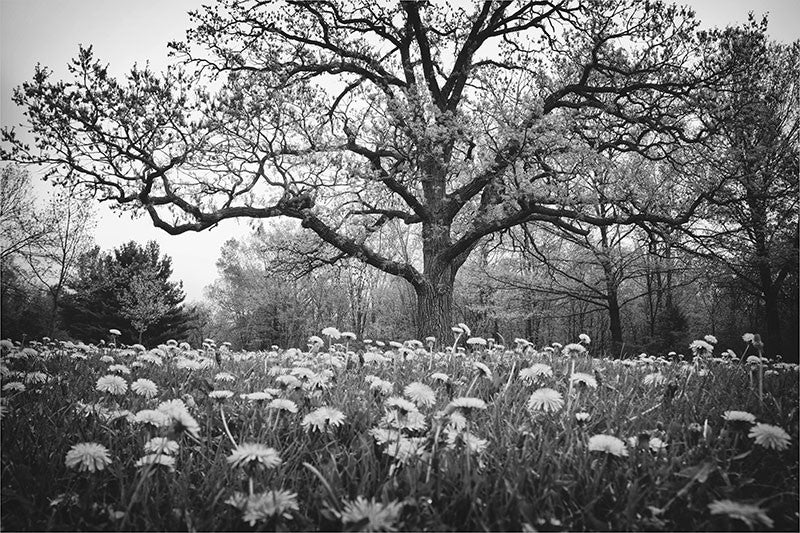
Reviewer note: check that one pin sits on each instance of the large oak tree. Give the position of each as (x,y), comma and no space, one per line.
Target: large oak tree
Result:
(456,120)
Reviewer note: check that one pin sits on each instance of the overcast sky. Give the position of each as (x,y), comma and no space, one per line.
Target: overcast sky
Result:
(124,32)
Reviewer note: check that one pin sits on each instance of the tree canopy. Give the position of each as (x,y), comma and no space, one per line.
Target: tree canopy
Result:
(355,117)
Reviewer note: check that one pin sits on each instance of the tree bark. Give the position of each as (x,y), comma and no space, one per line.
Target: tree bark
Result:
(435,311)
(615,323)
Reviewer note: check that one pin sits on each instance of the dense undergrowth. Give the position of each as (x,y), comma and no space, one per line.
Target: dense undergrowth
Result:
(404,437)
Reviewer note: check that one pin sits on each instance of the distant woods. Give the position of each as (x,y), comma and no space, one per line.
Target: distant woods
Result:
(535,169)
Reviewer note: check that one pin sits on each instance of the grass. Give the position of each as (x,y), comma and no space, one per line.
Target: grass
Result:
(504,467)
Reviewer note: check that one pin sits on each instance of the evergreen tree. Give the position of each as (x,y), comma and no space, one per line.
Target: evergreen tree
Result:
(107,293)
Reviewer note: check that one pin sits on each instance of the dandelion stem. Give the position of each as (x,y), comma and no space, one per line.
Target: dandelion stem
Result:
(225,425)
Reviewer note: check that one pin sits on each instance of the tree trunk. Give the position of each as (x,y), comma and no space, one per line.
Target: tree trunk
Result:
(615,324)
(772,340)
(435,311)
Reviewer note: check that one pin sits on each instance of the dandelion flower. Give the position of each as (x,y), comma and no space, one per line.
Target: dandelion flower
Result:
(748,337)
(154,418)
(224,376)
(269,504)
(157,459)
(144,387)
(323,418)
(699,347)
(545,399)
(383,435)
(573,350)
(412,420)
(15,386)
(711,339)
(288,381)
(371,515)
(739,417)
(112,384)
(654,379)
(657,445)
(420,393)
(440,376)
(382,386)
(769,436)
(248,453)
(257,396)
(401,404)
(332,332)
(584,338)
(582,417)
(752,515)
(161,445)
(220,395)
(466,404)
(151,358)
(283,404)
(88,457)
(122,369)
(536,371)
(466,439)
(583,378)
(607,444)
(482,369)
(183,421)
(106,359)
(171,406)
(35,378)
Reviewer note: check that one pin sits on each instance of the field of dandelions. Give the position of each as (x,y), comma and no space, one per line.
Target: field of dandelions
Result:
(351,435)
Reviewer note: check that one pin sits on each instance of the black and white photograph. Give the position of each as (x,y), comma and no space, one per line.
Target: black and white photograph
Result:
(399,265)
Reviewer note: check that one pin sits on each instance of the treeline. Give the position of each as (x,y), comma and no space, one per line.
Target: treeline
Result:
(638,294)
(55,283)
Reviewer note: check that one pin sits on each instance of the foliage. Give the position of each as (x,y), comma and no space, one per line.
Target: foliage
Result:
(356,119)
(125,287)
(501,465)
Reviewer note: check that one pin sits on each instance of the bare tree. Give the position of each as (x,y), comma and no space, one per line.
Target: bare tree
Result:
(20,224)
(52,260)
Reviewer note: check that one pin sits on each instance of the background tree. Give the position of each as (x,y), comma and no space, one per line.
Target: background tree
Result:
(353,117)
(51,260)
(753,221)
(109,292)
(143,302)
(20,224)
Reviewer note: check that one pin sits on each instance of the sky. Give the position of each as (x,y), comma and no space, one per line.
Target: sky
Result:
(124,32)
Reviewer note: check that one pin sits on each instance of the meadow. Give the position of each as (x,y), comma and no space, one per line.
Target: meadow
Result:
(350,435)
